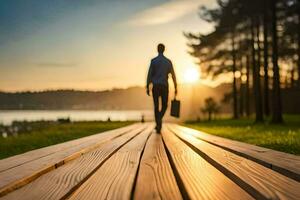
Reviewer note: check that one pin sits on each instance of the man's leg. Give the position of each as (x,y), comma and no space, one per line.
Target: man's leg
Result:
(164,100)
(163,93)
(155,94)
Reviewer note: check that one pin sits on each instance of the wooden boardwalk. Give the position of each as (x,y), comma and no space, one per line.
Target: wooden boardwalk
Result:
(134,162)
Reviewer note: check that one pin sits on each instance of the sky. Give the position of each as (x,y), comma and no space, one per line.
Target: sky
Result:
(92,44)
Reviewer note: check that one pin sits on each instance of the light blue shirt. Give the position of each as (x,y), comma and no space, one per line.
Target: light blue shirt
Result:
(159,71)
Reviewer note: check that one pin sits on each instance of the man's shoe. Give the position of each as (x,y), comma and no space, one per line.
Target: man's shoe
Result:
(158,130)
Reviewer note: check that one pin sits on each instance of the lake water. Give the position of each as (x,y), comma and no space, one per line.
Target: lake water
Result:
(7,117)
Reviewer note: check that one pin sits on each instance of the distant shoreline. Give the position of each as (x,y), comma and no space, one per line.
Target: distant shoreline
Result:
(9,116)
(6,110)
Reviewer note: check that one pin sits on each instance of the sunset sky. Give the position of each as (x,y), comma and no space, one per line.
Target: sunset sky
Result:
(92,44)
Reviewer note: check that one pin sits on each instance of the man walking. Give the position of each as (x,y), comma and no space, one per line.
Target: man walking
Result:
(158,74)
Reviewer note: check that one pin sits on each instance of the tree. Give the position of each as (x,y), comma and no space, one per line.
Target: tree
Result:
(266,56)
(219,51)
(256,69)
(247,85)
(298,34)
(234,84)
(210,107)
(277,107)
(216,49)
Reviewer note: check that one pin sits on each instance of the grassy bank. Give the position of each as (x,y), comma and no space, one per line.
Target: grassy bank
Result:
(285,137)
(52,134)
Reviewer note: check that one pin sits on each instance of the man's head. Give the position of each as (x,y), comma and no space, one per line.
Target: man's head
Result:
(160,48)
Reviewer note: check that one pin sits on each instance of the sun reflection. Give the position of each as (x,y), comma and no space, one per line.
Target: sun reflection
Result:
(191,75)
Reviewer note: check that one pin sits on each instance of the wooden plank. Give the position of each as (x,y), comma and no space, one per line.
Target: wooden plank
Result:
(61,182)
(155,177)
(17,160)
(199,179)
(115,178)
(19,176)
(284,163)
(259,181)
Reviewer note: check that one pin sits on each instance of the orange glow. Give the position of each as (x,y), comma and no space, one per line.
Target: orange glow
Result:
(191,75)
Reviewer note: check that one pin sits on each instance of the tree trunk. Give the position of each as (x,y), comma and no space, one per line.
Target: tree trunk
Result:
(242,92)
(256,79)
(209,116)
(248,86)
(235,109)
(277,104)
(298,63)
(266,58)
(241,86)
(258,96)
(292,78)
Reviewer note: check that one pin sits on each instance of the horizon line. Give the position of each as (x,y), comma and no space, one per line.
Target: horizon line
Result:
(95,90)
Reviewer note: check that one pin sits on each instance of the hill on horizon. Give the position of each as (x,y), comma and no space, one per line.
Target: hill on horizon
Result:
(133,98)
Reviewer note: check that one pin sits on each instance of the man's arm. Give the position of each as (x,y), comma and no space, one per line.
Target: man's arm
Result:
(174,78)
(149,78)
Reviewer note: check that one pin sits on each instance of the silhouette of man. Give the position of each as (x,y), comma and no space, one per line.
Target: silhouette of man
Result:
(158,75)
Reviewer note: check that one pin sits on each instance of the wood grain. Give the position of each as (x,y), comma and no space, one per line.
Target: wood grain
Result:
(284,163)
(125,164)
(17,177)
(261,182)
(58,183)
(115,178)
(17,160)
(199,178)
(155,177)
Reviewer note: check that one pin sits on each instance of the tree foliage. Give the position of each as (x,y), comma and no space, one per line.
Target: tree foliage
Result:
(253,41)
(210,107)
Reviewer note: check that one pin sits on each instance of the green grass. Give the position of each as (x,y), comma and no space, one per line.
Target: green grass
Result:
(284,137)
(52,134)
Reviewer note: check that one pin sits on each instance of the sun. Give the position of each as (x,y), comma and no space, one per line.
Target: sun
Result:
(191,75)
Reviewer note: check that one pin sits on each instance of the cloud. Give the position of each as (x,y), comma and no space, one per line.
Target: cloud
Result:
(165,13)
(56,64)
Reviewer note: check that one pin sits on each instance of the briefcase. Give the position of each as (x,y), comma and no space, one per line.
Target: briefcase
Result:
(175,108)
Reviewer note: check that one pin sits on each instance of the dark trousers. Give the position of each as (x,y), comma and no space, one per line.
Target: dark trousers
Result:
(160,92)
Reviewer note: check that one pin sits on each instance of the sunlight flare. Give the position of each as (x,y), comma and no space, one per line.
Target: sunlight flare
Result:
(191,75)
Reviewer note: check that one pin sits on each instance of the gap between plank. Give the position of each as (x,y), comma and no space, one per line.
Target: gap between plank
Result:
(136,175)
(26,180)
(59,164)
(283,171)
(69,193)
(179,181)
(245,186)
